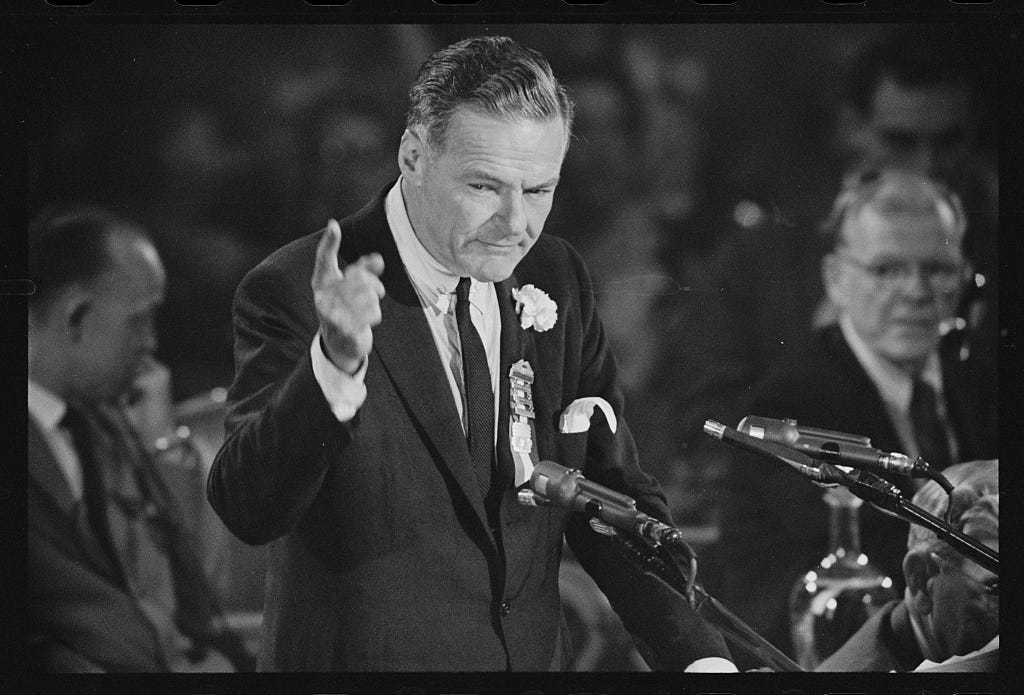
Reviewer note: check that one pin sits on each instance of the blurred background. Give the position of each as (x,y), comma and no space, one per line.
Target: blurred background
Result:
(227,141)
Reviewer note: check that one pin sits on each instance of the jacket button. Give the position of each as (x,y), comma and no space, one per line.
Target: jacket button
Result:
(505,609)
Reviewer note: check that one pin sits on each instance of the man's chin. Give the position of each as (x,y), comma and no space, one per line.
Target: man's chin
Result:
(494,270)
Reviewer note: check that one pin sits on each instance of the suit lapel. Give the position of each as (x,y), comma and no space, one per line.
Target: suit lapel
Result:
(45,474)
(404,345)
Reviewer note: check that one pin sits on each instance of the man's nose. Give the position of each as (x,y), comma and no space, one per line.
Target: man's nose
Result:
(513,212)
(918,284)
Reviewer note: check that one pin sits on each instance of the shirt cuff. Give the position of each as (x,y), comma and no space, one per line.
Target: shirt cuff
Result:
(711,664)
(345,393)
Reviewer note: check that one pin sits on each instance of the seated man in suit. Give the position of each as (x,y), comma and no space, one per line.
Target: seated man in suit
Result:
(114,583)
(396,377)
(884,370)
(949,617)
(912,100)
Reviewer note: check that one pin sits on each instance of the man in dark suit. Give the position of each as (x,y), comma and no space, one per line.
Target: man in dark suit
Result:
(911,99)
(895,273)
(113,580)
(362,441)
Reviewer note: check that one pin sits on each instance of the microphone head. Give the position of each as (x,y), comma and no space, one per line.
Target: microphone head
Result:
(553,481)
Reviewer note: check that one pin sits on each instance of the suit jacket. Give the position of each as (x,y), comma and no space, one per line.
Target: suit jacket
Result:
(775,526)
(381,554)
(81,614)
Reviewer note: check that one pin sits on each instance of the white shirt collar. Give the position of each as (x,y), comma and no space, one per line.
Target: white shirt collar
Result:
(45,406)
(433,282)
(895,385)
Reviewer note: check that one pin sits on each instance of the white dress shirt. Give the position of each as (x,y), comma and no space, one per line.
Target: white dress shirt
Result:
(48,409)
(435,287)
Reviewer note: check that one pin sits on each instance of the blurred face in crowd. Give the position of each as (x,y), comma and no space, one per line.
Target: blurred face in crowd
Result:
(898,277)
(958,611)
(927,129)
(113,332)
(479,204)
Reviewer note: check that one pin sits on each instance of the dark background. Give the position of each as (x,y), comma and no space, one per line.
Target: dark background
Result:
(228,140)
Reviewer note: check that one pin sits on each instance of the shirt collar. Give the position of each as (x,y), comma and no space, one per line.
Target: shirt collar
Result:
(45,406)
(895,385)
(433,282)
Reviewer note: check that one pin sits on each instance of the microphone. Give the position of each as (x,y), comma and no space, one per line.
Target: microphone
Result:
(800,462)
(837,448)
(568,488)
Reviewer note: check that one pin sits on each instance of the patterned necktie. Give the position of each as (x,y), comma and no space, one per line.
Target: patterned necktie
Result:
(94,492)
(929,431)
(479,396)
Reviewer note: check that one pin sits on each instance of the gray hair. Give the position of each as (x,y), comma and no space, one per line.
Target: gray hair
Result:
(491,74)
(892,191)
(975,503)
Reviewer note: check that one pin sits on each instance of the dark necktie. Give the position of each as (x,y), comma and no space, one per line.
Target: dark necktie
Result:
(94,493)
(479,397)
(929,431)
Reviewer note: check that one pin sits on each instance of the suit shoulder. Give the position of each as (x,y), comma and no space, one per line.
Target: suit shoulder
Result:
(552,256)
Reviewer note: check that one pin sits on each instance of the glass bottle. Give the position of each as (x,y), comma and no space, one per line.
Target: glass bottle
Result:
(832,600)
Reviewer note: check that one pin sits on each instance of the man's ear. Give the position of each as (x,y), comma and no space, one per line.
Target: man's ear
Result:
(919,569)
(75,308)
(412,152)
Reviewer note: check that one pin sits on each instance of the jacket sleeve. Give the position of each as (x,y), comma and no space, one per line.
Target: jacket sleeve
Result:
(671,635)
(280,431)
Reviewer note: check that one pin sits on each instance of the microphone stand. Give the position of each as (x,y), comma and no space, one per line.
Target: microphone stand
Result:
(647,559)
(871,488)
(887,497)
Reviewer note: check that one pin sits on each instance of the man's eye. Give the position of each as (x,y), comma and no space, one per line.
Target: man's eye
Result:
(539,192)
(481,187)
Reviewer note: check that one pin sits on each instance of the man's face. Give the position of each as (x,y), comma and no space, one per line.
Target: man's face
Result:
(117,330)
(899,318)
(927,129)
(480,205)
(964,615)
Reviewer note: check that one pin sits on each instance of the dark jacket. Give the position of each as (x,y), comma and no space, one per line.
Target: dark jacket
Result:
(381,555)
(775,526)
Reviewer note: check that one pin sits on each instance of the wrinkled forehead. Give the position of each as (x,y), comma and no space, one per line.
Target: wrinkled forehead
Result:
(917,230)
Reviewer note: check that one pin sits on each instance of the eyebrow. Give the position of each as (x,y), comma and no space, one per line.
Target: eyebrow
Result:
(478,174)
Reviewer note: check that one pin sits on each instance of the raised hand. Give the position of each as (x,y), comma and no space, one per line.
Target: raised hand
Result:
(347,302)
(148,402)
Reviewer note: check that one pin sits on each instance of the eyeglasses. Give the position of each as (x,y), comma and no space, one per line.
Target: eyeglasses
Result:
(942,276)
(989,587)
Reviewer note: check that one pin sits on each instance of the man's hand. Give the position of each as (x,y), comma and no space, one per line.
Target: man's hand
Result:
(348,303)
(148,402)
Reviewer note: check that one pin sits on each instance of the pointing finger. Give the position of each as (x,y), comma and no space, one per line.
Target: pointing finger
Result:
(327,252)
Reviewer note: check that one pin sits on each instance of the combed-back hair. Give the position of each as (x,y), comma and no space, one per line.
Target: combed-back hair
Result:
(494,75)
(975,503)
(68,244)
(892,191)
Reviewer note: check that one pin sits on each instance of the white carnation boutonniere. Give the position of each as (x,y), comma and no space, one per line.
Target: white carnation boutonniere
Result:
(535,308)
